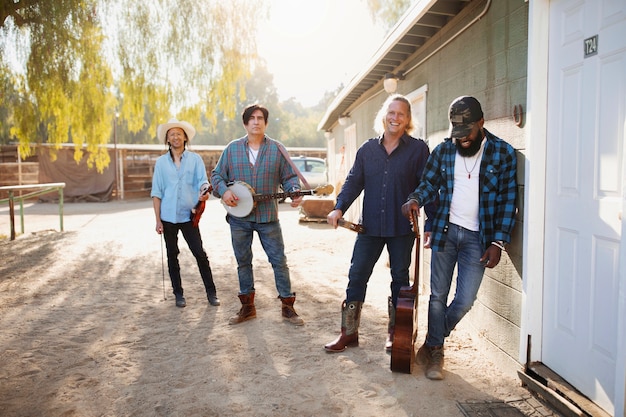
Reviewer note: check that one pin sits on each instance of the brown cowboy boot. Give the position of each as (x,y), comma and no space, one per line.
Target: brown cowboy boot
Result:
(350,319)
(391,326)
(247,311)
(289,314)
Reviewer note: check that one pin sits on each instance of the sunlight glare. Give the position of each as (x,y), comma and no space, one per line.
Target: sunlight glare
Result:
(313,46)
(298,20)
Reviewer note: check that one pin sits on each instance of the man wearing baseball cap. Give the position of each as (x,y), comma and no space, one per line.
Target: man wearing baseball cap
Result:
(473,173)
(178,183)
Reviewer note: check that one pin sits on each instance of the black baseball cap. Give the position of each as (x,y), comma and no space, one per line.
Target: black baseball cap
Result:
(465,111)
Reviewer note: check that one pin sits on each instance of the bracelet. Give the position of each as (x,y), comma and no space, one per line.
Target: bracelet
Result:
(413,199)
(499,245)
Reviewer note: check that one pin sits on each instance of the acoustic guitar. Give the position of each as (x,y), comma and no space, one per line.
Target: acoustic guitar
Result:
(405,330)
(248,198)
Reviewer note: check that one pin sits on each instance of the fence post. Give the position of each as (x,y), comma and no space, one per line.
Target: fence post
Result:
(61,208)
(12,214)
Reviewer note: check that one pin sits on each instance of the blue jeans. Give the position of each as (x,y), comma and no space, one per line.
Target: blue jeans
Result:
(194,241)
(367,250)
(462,249)
(271,237)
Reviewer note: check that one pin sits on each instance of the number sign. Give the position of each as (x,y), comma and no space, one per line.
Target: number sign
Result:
(591,46)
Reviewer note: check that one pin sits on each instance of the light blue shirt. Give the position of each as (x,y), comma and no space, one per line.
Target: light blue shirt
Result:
(178,188)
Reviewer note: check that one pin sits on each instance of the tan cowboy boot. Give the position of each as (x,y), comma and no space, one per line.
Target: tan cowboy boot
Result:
(350,319)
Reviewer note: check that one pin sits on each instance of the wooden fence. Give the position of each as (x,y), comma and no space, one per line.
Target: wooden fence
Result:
(134,165)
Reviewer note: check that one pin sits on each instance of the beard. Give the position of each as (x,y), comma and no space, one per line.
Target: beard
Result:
(472,150)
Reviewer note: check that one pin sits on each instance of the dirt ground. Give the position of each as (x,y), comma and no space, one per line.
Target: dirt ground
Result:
(89,328)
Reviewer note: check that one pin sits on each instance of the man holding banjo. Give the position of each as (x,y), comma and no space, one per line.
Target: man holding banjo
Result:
(255,164)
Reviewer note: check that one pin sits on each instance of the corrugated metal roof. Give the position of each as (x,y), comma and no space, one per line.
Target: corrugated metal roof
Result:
(421,22)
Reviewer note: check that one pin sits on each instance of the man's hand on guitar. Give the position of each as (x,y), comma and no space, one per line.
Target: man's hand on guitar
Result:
(408,207)
(333,217)
(205,192)
(230,199)
(427,239)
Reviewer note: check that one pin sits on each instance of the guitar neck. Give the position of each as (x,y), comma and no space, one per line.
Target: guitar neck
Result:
(280,196)
(199,203)
(352,226)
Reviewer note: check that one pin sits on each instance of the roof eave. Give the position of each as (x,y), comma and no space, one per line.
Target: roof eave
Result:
(405,23)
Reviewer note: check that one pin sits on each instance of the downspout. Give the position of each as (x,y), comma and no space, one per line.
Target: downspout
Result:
(443,45)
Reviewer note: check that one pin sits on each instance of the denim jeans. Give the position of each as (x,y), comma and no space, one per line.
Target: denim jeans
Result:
(271,237)
(367,250)
(462,249)
(194,241)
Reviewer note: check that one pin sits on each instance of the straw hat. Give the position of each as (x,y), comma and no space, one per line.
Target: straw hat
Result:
(173,122)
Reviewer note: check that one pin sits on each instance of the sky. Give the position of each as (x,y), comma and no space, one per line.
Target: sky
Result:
(313,46)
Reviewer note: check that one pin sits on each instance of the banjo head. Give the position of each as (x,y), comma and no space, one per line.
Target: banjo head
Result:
(245,193)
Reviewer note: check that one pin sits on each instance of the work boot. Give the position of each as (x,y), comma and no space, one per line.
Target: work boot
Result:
(247,311)
(391,326)
(435,367)
(289,314)
(350,318)
(422,357)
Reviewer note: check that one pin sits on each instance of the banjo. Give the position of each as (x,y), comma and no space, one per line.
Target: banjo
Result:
(247,197)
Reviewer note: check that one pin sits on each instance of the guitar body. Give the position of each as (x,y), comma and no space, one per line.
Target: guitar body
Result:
(247,197)
(198,209)
(405,329)
(405,332)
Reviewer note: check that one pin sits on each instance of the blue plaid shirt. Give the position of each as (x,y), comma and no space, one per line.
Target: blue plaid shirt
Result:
(270,171)
(498,190)
(386,181)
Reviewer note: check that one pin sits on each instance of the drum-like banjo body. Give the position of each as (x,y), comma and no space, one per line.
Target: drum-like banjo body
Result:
(247,197)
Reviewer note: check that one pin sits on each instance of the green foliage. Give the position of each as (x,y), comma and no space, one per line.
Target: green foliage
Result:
(71,71)
(388,12)
(288,121)
(74,64)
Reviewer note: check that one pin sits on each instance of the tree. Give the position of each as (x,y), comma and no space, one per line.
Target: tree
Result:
(76,63)
(289,121)
(388,11)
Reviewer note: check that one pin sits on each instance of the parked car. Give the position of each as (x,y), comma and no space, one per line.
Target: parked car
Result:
(314,170)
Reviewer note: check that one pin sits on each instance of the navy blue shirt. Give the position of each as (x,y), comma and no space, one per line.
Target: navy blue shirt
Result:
(387,181)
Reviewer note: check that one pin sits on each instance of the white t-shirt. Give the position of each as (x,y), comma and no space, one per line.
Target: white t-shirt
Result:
(252,155)
(464,206)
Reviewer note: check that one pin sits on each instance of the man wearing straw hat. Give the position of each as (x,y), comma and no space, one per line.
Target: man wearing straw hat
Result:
(178,182)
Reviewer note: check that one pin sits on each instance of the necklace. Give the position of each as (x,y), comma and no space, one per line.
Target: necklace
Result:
(469,173)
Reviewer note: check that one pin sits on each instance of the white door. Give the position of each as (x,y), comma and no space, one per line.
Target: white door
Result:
(586,115)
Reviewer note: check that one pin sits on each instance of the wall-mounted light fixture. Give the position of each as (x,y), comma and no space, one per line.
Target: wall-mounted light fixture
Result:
(327,134)
(344,119)
(391,81)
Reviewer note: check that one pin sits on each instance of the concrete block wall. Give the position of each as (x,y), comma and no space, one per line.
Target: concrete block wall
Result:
(489,61)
